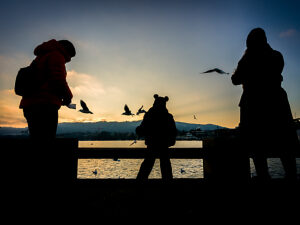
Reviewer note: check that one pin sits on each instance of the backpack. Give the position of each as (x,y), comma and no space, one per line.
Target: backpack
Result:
(27,80)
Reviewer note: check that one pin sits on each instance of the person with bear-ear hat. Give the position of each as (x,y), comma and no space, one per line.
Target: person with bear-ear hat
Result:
(159,129)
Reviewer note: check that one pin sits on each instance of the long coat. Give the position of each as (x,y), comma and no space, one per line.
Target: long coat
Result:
(264,108)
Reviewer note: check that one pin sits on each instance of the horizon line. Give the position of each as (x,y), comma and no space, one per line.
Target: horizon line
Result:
(111,122)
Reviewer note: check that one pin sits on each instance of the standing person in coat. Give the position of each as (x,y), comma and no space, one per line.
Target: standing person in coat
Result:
(266,120)
(159,129)
(44,162)
(41,108)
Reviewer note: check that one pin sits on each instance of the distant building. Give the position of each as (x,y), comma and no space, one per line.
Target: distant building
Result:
(204,134)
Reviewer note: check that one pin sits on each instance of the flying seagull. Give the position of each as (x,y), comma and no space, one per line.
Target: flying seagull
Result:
(84,109)
(195,117)
(134,142)
(141,110)
(127,111)
(215,70)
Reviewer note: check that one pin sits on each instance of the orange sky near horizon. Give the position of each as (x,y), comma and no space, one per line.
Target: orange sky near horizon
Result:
(12,116)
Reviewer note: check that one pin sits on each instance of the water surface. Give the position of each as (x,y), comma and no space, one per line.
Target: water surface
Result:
(128,168)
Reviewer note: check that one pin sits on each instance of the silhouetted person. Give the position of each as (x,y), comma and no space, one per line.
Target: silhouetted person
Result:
(44,164)
(159,129)
(41,107)
(266,120)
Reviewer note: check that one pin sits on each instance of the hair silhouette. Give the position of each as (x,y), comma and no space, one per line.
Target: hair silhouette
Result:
(256,38)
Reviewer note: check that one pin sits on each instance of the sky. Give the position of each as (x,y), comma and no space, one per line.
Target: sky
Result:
(127,51)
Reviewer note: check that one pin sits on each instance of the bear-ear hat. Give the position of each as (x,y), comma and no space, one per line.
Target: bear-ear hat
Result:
(166,97)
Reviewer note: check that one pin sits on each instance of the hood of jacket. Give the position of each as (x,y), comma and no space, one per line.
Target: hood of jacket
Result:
(50,46)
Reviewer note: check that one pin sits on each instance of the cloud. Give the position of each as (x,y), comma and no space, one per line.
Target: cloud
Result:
(102,99)
(288,33)
(9,66)
(10,114)
(85,84)
(89,85)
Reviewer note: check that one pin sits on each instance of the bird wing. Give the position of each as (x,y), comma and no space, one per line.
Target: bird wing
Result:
(209,71)
(216,70)
(83,105)
(126,108)
(219,71)
(140,110)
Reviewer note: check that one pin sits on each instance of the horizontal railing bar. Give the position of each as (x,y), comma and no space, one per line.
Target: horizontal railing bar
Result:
(179,153)
(17,146)
(136,153)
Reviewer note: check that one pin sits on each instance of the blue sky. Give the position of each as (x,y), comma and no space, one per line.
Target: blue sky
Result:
(129,50)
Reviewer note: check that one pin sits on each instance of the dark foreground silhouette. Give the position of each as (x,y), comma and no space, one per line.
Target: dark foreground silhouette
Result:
(41,105)
(43,169)
(264,102)
(159,129)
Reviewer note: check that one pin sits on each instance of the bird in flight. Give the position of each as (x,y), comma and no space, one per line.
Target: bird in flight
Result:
(127,111)
(215,70)
(134,142)
(195,117)
(141,110)
(84,109)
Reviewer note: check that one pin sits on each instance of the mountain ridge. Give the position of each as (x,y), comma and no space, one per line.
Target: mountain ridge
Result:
(100,126)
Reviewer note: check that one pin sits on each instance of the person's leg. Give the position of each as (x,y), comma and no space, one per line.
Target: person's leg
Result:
(146,168)
(289,147)
(165,165)
(32,121)
(50,125)
(261,167)
(166,168)
(257,146)
(290,167)
(42,122)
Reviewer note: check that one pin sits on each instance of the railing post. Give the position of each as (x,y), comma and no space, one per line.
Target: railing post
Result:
(225,160)
(64,161)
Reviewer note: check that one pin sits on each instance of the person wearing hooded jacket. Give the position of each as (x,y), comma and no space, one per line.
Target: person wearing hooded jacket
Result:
(41,108)
(266,121)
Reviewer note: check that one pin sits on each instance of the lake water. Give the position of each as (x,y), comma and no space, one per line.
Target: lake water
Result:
(131,144)
(128,168)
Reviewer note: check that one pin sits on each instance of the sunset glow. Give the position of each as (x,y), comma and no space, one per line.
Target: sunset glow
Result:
(131,50)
